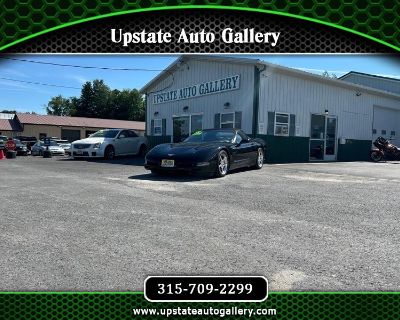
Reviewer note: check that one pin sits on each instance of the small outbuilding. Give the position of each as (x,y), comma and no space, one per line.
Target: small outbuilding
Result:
(66,128)
(301,116)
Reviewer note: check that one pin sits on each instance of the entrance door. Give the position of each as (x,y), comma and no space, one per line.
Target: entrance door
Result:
(181,127)
(323,137)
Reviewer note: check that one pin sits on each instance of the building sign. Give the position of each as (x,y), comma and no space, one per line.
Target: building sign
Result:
(221,85)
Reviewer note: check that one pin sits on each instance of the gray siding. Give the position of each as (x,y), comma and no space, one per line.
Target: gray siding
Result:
(301,96)
(374,82)
(195,72)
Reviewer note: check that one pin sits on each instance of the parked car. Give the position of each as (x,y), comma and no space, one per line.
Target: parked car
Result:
(29,141)
(39,147)
(21,148)
(109,143)
(3,140)
(211,152)
(65,144)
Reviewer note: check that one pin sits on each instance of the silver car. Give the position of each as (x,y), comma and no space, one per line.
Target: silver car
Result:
(38,148)
(109,143)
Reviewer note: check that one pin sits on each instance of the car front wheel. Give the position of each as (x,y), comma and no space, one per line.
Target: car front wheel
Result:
(109,153)
(260,159)
(222,164)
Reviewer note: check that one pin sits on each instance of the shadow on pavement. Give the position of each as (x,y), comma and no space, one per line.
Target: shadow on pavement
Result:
(173,177)
(131,161)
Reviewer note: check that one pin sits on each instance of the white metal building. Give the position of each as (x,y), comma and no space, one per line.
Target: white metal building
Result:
(301,116)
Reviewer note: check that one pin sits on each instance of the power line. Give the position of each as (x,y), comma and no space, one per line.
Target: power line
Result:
(40,83)
(80,66)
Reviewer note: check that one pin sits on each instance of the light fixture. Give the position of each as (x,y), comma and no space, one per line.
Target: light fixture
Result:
(156,113)
(185,108)
(326,111)
(227,105)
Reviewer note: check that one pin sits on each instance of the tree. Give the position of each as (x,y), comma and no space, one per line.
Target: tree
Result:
(59,106)
(97,100)
(329,75)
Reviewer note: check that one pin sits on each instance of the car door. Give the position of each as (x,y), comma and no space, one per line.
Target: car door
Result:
(134,139)
(246,150)
(120,143)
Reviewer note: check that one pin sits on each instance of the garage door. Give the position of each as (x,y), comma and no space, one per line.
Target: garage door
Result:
(70,135)
(386,124)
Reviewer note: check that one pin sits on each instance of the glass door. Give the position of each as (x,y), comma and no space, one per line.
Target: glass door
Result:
(330,143)
(181,126)
(323,137)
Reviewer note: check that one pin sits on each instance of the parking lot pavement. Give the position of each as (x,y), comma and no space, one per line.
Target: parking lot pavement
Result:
(101,225)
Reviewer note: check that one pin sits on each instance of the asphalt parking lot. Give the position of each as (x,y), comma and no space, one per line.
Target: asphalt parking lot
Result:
(105,226)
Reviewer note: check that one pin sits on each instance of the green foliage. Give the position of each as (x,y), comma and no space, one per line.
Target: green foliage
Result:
(59,106)
(97,100)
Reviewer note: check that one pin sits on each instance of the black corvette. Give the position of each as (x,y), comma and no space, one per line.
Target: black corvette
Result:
(211,151)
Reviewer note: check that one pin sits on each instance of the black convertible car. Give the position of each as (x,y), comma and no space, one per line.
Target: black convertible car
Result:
(211,151)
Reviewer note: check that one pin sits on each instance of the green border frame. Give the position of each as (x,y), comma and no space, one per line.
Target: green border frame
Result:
(194,7)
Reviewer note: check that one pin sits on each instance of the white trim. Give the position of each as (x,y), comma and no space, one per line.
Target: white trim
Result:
(158,126)
(282,123)
(227,122)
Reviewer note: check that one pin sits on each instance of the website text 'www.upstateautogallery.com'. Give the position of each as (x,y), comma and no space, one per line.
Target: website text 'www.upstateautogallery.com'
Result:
(188,311)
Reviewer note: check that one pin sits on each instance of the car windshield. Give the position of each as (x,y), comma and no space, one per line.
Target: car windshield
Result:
(104,134)
(52,144)
(211,135)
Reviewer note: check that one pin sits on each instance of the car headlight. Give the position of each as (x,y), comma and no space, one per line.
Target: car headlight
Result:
(97,145)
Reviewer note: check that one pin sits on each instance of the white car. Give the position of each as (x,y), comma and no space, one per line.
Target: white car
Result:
(38,148)
(109,143)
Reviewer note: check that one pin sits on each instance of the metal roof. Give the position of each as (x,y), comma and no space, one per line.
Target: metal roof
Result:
(368,75)
(10,125)
(267,65)
(26,118)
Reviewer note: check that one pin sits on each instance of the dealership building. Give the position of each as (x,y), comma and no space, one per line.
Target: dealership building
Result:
(301,116)
(66,128)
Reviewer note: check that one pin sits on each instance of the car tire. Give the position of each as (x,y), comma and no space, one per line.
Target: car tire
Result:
(156,172)
(260,159)
(142,150)
(376,156)
(109,153)
(222,164)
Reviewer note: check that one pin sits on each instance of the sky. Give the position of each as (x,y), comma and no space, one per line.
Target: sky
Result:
(27,97)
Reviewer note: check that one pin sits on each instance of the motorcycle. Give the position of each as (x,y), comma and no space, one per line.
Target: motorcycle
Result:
(384,150)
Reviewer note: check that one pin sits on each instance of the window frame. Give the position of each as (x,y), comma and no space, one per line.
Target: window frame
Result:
(157,126)
(282,123)
(227,122)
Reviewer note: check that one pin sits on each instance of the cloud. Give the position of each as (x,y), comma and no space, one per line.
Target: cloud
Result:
(14,73)
(79,79)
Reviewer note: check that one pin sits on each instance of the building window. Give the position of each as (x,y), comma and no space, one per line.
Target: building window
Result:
(383,132)
(281,124)
(374,131)
(157,127)
(392,133)
(196,123)
(227,120)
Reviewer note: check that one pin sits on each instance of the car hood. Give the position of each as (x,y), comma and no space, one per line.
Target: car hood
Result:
(186,149)
(90,140)
(54,148)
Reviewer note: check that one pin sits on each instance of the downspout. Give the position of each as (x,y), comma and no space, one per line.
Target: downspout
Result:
(256,98)
(145,115)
